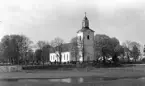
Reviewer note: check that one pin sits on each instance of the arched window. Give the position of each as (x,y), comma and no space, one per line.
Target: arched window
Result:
(64,56)
(88,37)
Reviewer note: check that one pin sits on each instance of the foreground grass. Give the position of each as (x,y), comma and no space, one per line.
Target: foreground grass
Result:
(126,76)
(135,71)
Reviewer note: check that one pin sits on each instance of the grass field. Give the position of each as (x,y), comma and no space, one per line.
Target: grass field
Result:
(120,76)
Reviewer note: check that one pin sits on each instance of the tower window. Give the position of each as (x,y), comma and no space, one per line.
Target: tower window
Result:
(80,37)
(88,37)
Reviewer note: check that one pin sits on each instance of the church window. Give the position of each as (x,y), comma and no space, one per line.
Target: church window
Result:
(64,56)
(88,37)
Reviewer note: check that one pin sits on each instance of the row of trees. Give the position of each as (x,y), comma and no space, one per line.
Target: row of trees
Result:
(13,48)
(17,49)
(106,47)
(44,49)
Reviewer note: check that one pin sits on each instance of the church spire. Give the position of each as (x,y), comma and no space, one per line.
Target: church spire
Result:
(85,14)
(85,22)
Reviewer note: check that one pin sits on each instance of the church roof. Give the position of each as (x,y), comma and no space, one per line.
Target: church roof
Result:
(85,25)
(85,18)
(85,29)
(65,47)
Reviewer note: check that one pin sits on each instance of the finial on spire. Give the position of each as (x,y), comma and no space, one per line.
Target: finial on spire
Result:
(85,14)
(85,21)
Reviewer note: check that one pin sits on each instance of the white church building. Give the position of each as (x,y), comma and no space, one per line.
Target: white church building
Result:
(85,40)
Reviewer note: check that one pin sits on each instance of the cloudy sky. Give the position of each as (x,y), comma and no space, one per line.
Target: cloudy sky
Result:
(47,19)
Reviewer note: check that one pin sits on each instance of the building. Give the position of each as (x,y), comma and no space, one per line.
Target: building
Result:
(66,54)
(85,41)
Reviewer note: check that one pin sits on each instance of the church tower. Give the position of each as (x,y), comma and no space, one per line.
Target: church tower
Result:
(85,42)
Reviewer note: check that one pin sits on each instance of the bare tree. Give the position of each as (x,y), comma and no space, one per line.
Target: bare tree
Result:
(126,43)
(15,47)
(74,47)
(135,52)
(44,47)
(129,47)
(41,44)
(45,53)
(126,46)
(57,47)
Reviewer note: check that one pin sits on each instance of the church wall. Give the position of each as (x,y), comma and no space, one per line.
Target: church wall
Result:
(66,56)
(91,38)
(80,36)
(89,45)
(53,57)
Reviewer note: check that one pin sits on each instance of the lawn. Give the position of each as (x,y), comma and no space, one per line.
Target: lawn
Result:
(132,71)
(120,76)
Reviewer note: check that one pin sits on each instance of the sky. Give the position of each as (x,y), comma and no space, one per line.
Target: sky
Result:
(47,19)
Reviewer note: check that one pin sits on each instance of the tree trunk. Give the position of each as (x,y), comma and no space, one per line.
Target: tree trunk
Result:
(43,63)
(60,51)
(43,60)
(60,57)
(115,59)
(75,56)
(104,60)
(123,58)
(135,60)
(10,60)
(128,57)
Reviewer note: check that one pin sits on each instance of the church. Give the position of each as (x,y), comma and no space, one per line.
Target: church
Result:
(85,42)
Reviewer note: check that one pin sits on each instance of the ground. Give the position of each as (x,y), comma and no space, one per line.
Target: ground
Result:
(125,76)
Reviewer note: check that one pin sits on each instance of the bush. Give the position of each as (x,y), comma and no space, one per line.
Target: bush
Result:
(143,60)
(46,67)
